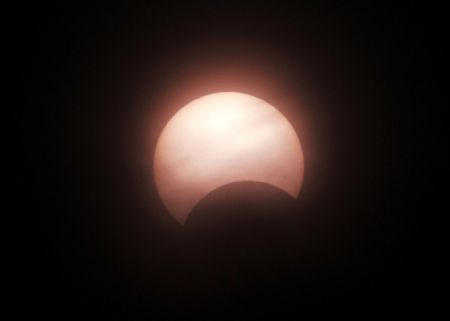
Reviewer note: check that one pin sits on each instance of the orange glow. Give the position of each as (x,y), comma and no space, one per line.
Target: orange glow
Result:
(223,138)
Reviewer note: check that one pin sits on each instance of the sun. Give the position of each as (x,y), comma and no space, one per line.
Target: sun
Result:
(222,138)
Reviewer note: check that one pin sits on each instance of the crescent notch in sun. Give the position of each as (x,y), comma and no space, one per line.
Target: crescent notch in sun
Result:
(223,138)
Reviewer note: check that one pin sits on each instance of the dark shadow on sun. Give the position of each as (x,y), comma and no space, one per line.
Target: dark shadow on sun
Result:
(241,231)
(242,204)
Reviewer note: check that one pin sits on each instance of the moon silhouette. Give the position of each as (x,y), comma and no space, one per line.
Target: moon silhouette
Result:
(223,138)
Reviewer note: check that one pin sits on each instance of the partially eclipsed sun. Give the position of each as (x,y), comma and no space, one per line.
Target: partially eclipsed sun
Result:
(223,138)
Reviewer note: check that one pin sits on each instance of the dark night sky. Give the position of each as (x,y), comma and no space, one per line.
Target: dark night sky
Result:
(357,84)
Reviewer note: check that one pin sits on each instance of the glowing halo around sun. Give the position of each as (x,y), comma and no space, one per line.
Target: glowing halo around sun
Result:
(223,138)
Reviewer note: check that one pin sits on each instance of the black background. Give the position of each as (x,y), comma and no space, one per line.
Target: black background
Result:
(353,79)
